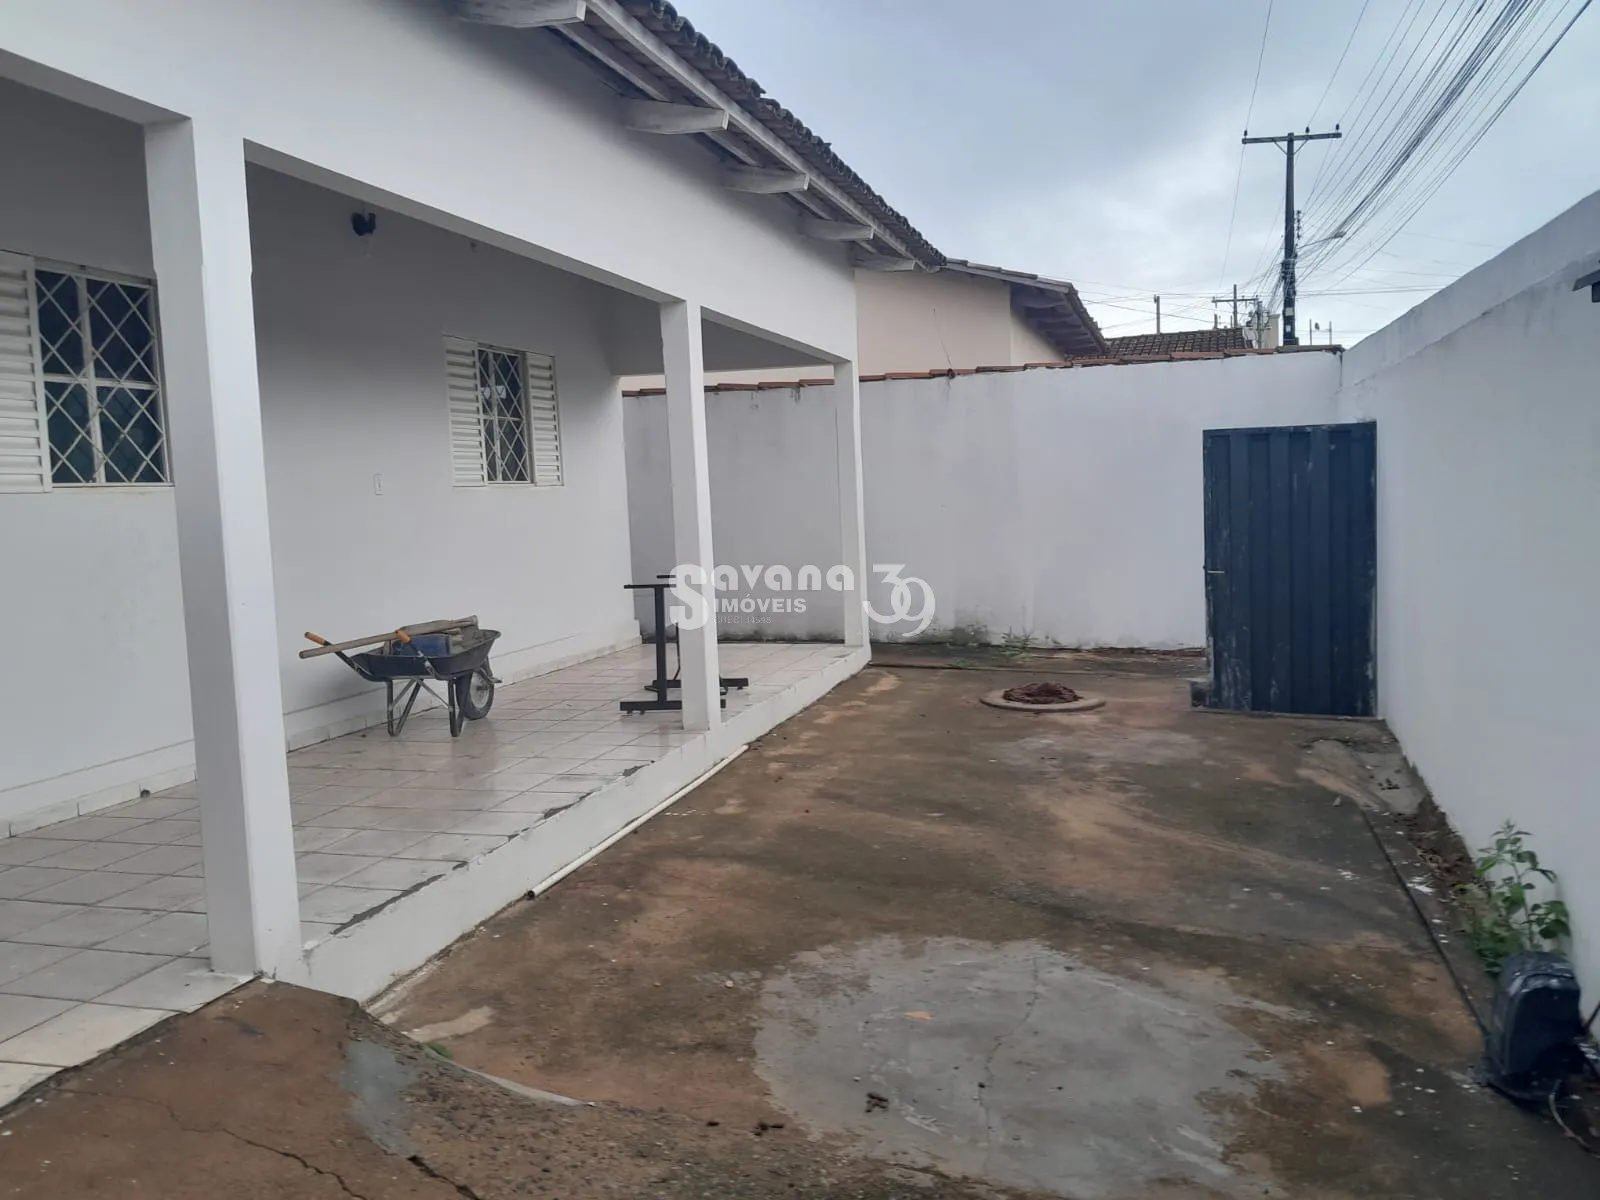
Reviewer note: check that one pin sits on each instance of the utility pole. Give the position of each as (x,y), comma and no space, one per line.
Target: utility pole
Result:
(1235,299)
(1158,314)
(1289,142)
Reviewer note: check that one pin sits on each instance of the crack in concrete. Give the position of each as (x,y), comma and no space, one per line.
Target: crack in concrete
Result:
(172,1116)
(421,1164)
(987,1085)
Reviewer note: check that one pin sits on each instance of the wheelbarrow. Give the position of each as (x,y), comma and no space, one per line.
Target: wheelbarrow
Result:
(452,653)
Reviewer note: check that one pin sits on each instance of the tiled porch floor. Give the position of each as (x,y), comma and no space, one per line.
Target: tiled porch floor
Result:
(102,918)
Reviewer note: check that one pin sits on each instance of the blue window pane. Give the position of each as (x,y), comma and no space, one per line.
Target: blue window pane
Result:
(130,436)
(71,447)
(122,330)
(60,333)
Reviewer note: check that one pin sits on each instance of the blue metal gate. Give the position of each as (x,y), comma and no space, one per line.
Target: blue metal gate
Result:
(1291,550)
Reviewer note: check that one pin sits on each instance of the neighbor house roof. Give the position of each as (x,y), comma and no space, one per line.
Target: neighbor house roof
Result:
(1051,307)
(646,51)
(1180,341)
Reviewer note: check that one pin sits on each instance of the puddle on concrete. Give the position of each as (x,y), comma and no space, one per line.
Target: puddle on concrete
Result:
(1012,1063)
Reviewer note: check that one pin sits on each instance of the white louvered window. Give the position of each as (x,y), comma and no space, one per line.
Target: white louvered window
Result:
(80,380)
(505,424)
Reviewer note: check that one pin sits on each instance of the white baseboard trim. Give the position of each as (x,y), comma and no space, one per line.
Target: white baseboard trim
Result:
(370,957)
(44,802)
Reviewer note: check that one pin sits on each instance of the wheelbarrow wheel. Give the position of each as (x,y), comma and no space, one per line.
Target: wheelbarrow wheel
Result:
(475,694)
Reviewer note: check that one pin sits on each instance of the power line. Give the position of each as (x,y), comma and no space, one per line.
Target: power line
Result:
(1468,125)
(1336,66)
(1238,175)
(1440,92)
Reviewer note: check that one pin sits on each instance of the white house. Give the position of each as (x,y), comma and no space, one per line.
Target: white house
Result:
(312,316)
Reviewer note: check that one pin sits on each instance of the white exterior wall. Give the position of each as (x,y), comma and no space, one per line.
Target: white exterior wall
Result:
(1060,505)
(1028,345)
(1489,549)
(351,370)
(932,321)
(491,132)
(352,382)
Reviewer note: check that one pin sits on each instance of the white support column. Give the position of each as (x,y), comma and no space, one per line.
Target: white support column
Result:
(852,503)
(200,236)
(684,365)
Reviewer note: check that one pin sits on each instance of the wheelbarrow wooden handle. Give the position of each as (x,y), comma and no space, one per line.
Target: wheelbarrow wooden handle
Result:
(403,634)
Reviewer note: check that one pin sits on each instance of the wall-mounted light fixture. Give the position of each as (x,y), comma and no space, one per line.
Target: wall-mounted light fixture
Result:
(364,222)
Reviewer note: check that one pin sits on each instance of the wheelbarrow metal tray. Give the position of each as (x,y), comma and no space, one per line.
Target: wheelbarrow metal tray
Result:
(467,651)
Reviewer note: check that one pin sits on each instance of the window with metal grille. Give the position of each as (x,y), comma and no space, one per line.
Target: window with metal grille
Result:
(504,420)
(102,379)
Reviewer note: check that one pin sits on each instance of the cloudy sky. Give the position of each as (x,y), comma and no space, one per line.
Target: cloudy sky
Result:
(1099,142)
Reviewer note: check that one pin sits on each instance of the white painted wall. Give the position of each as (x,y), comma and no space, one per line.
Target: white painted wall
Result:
(1061,505)
(352,382)
(1489,549)
(496,132)
(922,321)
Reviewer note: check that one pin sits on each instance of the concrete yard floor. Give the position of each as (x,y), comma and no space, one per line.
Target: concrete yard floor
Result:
(905,946)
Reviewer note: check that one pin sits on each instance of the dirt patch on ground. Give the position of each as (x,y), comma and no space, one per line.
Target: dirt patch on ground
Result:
(1439,847)
(284,1093)
(1174,858)
(906,946)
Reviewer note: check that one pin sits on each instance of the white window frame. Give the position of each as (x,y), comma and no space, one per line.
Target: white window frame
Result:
(91,382)
(469,416)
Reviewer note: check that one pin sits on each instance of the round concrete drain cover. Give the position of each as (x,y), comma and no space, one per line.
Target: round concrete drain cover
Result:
(1042,697)
(1014,1064)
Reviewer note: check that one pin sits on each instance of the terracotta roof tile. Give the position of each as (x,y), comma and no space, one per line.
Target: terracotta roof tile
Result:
(1119,360)
(662,19)
(1182,340)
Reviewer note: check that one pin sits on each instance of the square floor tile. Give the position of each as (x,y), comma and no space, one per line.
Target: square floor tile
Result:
(18,1013)
(501,821)
(96,828)
(458,847)
(353,816)
(538,803)
(421,798)
(182,985)
(398,874)
(88,856)
(83,975)
(336,795)
(330,868)
(77,1035)
(423,820)
(16,916)
(166,893)
(170,933)
(89,887)
(159,860)
(17,1078)
(376,843)
(578,785)
(18,959)
(337,904)
(314,837)
(86,927)
(169,831)
(159,806)
(17,882)
(26,849)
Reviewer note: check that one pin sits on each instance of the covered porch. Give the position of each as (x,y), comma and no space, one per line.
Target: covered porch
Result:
(319,445)
(400,845)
